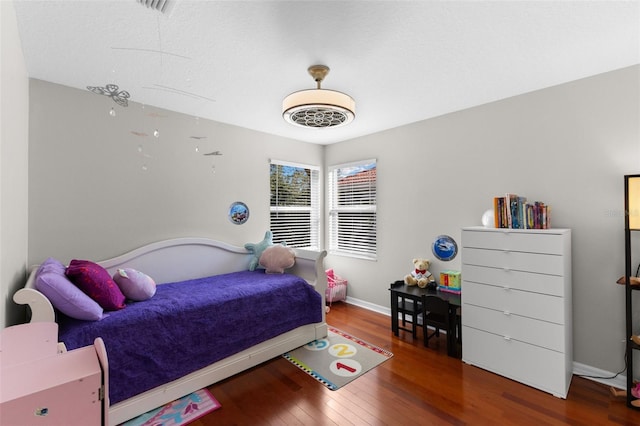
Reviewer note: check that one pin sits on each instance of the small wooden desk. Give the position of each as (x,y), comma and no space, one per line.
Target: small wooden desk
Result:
(400,293)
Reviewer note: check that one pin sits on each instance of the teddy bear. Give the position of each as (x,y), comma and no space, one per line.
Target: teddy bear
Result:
(420,275)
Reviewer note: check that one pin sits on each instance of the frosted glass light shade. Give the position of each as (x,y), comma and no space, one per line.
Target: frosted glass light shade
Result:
(633,201)
(318,108)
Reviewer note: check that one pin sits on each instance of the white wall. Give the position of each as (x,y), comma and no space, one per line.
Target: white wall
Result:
(90,197)
(568,146)
(14,119)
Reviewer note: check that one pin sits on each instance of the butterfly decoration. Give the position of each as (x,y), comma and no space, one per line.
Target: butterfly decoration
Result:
(113,91)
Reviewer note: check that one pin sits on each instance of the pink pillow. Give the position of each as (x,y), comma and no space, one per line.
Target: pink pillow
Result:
(96,282)
(275,259)
(134,284)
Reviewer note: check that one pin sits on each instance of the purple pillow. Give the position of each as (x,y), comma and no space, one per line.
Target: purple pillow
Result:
(63,295)
(134,284)
(96,282)
(51,265)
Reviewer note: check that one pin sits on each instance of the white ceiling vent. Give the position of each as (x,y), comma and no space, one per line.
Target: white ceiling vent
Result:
(163,6)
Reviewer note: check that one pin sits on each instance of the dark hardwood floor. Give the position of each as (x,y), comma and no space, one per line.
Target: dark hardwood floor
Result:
(418,386)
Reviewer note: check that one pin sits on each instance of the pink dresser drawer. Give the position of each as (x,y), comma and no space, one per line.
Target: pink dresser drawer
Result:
(61,390)
(39,386)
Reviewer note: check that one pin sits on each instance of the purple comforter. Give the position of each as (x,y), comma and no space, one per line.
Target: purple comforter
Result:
(189,325)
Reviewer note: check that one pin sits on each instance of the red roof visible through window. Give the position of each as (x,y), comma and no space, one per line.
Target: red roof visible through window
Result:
(360,177)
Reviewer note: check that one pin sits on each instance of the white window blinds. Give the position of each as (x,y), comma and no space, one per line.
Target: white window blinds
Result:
(352,209)
(295,204)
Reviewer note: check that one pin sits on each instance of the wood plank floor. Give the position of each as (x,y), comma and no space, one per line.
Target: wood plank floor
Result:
(418,386)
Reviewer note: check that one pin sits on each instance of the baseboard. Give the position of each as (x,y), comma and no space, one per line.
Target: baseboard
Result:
(579,369)
(599,375)
(370,306)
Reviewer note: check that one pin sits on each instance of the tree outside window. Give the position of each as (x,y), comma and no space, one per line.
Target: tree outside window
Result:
(295,204)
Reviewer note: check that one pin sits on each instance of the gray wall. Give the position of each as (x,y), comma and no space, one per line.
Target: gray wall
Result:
(91,198)
(568,146)
(14,127)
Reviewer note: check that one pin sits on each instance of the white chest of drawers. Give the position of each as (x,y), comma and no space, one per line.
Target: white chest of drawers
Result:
(516,305)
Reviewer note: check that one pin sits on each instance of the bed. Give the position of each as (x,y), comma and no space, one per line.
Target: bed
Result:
(220,343)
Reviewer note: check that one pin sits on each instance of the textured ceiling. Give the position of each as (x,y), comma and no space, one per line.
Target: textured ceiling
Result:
(402,61)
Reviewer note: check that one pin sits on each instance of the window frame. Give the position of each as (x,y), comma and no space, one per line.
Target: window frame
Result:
(314,209)
(338,246)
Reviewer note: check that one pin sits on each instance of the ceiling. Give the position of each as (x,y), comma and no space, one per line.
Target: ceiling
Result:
(402,61)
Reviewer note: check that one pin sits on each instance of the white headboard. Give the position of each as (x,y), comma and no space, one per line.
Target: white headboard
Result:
(180,259)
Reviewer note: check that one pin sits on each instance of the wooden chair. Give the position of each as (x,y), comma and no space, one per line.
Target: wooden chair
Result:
(437,314)
(412,308)
(407,306)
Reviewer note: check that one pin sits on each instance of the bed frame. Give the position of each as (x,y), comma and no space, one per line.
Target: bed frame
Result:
(187,258)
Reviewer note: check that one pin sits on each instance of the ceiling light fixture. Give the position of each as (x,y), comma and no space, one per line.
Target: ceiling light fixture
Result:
(318,107)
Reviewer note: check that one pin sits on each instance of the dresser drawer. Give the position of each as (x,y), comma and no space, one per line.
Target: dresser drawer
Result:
(529,364)
(532,305)
(534,241)
(515,260)
(511,279)
(540,333)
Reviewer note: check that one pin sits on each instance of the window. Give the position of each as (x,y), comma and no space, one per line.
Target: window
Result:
(352,209)
(295,204)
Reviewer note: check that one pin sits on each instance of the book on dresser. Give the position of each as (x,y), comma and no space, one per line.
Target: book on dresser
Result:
(516,305)
(514,212)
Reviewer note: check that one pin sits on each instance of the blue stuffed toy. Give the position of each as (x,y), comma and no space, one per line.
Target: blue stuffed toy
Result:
(257,248)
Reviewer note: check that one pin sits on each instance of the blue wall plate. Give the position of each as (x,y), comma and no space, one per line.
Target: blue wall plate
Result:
(444,247)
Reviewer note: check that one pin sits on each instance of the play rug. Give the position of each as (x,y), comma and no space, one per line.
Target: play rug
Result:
(179,412)
(338,359)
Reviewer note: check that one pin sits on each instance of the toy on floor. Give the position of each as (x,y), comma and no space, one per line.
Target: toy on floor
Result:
(621,393)
(635,390)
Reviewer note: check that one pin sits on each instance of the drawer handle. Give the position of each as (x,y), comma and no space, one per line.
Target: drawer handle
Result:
(506,269)
(506,288)
(507,313)
(507,338)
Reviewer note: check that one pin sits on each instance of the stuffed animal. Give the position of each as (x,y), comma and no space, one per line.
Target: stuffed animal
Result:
(257,248)
(275,259)
(420,275)
(635,392)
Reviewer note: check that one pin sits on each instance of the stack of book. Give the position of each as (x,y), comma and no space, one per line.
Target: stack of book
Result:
(513,211)
(450,281)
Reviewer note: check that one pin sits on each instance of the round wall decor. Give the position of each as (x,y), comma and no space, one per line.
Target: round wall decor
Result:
(444,247)
(238,213)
